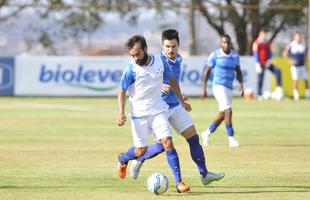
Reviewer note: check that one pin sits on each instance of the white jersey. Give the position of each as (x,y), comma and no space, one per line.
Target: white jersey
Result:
(297,52)
(144,85)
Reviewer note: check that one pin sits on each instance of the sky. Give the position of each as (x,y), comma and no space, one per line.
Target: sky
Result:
(113,34)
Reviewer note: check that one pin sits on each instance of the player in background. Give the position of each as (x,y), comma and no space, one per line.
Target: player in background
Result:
(263,58)
(296,52)
(225,63)
(143,79)
(178,117)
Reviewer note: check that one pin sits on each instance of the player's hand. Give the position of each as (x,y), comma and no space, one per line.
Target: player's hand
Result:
(241,90)
(166,88)
(121,119)
(187,106)
(258,68)
(185,98)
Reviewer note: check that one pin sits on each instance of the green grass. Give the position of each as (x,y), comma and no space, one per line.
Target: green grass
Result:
(67,148)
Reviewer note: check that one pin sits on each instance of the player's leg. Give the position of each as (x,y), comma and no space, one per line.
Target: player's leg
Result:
(183,124)
(153,150)
(226,107)
(304,77)
(212,128)
(140,132)
(294,73)
(307,88)
(219,95)
(198,157)
(295,90)
(229,128)
(163,132)
(276,71)
(260,78)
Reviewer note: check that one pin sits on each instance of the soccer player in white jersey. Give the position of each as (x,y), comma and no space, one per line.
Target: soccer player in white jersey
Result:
(296,52)
(225,63)
(143,79)
(178,117)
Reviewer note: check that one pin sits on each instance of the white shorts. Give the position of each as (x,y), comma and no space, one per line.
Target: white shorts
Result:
(179,119)
(142,127)
(299,73)
(223,96)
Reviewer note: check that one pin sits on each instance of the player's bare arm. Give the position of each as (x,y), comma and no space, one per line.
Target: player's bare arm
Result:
(121,119)
(176,89)
(204,82)
(240,79)
(185,97)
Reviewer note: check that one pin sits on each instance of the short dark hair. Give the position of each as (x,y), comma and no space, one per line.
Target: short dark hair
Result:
(226,36)
(135,39)
(170,34)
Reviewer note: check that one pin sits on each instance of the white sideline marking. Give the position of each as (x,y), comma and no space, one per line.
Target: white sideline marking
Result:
(52,106)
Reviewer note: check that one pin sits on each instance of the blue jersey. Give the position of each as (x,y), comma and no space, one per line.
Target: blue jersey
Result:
(144,85)
(175,66)
(297,52)
(224,66)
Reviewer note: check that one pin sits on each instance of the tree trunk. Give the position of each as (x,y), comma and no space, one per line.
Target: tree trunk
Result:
(242,39)
(192,31)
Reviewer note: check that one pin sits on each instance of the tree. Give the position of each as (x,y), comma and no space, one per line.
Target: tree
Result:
(244,17)
(10,9)
(247,17)
(60,20)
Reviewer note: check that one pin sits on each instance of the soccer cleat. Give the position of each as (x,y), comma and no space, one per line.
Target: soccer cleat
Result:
(206,137)
(121,167)
(210,177)
(181,187)
(135,168)
(233,142)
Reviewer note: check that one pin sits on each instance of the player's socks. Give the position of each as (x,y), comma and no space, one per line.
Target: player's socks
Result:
(197,154)
(230,130)
(213,127)
(129,155)
(152,151)
(174,163)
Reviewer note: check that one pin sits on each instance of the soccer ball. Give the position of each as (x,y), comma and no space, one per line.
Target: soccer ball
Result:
(157,183)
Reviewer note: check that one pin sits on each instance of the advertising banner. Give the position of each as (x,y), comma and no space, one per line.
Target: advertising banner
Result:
(100,76)
(68,76)
(6,76)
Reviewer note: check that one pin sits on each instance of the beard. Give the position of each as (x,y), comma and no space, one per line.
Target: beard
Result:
(142,61)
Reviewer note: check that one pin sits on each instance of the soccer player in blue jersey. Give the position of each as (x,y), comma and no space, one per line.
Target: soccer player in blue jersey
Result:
(178,117)
(143,79)
(225,64)
(296,52)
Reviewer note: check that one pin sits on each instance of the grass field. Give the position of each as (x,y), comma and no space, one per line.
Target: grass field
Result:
(67,148)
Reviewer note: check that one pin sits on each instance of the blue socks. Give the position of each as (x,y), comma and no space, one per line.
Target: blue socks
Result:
(174,163)
(230,130)
(152,151)
(213,127)
(129,155)
(197,154)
